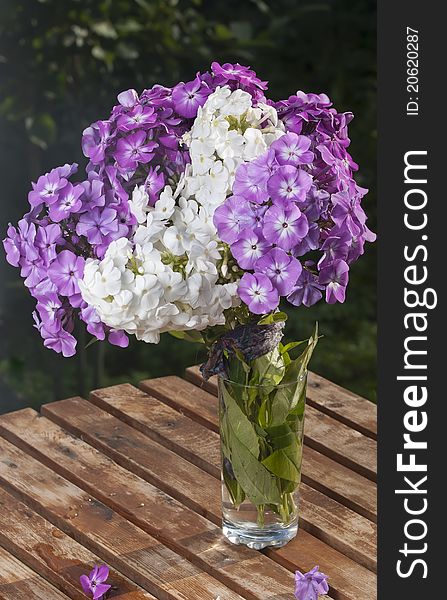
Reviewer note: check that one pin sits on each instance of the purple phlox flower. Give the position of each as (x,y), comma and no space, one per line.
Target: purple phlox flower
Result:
(66,170)
(293,123)
(118,338)
(258,293)
(307,290)
(335,277)
(95,140)
(310,585)
(289,183)
(347,212)
(309,101)
(47,237)
(356,247)
(76,300)
(335,155)
(134,149)
(282,269)
(315,204)
(33,271)
(250,183)
(126,220)
(139,116)
(28,232)
(155,181)
(69,201)
(47,188)
(187,97)
(95,583)
(94,324)
(236,72)
(292,149)
(170,140)
(232,217)
(116,189)
(285,225)
(93,194)
(265,165)
(259,211)
(43,288)
(12,246)
(128,98)
(56,337)
(97,224)
(249,247)
(335,247)
(30,260)
(311,241)
(49,307)
(157,95)
(66,271)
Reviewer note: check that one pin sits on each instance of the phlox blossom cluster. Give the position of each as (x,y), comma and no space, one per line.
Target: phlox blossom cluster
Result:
(172,274)
(200,203)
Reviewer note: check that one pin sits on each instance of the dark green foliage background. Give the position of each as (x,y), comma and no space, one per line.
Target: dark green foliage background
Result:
(62,64)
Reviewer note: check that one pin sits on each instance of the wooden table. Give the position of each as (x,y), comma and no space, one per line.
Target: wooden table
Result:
(130,477)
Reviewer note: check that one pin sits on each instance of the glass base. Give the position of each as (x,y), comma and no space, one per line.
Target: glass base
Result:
(257,537)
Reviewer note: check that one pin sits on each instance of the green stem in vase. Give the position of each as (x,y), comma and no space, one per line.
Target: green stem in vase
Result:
(261,515)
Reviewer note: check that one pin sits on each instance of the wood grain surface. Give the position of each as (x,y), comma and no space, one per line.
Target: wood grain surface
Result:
(131,478)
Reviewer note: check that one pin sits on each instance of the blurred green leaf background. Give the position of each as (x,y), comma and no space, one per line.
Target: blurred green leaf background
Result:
(61,67)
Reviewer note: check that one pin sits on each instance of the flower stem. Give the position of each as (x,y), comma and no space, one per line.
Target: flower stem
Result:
(261,515)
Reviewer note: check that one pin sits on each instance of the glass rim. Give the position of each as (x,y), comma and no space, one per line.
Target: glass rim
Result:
(263,385)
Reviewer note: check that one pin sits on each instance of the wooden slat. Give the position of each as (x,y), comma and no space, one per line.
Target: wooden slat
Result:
(330,521)
(18,582)
(141,503)
(162,423)
(200,446)
(121,544)
(345,406)
(134,451)
(331,399)
(53,554)
(323,433)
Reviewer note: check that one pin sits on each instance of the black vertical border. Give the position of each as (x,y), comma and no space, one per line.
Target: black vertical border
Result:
(398,134)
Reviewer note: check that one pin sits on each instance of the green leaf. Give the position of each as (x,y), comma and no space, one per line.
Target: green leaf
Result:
(238,423)
(273,318)
(290,346)
(189,336)
(281,436)
(291,393)
(243,445)
(268,370)
(281,464)
(256,481)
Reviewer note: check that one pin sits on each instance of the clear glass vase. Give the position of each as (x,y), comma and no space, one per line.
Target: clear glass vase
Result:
(261,432)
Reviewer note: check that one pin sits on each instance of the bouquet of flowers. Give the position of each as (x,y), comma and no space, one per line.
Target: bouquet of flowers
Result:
(202,206)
